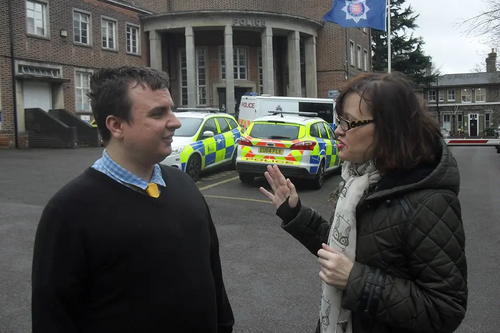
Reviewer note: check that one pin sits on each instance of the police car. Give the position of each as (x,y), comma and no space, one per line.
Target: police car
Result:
(206,139)
(303,146)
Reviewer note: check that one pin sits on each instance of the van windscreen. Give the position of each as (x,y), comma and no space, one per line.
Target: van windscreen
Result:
(270,130)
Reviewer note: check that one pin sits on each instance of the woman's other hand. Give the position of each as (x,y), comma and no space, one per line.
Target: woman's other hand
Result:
(281,187)
(335,267)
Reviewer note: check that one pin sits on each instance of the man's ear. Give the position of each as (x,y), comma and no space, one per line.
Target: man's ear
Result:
(115,126)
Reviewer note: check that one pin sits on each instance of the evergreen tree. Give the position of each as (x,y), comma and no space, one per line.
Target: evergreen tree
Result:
(407,50)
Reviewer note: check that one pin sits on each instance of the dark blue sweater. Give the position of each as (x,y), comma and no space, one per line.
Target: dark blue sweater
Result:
(110,259)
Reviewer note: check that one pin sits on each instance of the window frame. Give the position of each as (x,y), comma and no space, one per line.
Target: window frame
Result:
(359,55)
(469,94)
(236,65)
(487,120)
(452,91)
(183,87)
(199,101)
(352,56)
(483,94)
(138,38)
(46,20)
(115,33)
(86,72)
(365,59)
(89,27)
(431,96)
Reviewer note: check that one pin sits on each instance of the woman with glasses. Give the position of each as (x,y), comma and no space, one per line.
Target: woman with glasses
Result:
(391,258)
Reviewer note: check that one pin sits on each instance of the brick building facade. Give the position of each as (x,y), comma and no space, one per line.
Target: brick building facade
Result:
(280,47)
(467,104)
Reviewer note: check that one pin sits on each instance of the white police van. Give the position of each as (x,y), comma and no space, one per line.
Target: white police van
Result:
(252,107)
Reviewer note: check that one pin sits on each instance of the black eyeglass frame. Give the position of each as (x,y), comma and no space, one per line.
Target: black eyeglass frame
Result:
(352,124)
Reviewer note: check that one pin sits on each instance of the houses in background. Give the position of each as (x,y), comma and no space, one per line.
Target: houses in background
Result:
(467,105)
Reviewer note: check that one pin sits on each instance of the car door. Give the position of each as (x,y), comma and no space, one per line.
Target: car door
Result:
(334,159)
(232,137)
(221,140)
(210,151)
(324,144)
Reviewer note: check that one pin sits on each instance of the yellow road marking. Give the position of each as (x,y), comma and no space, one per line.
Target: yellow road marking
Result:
(218,183)
(233,198)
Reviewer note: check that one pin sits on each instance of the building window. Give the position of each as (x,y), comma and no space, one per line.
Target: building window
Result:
(466,95)
(359,57)
(81,28)
(451,95)
(82,87)
(447,122)
(239,63)
(201,76)
(487,120)
(460,121)
(261,72)
(133,39)
(108,31)
(36,18)
(183,81)
(352,51)
(431,95)
(441,96)
(480,95)
(365,60)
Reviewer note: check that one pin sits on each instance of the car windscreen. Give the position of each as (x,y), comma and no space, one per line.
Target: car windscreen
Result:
(189,126)
(275,131)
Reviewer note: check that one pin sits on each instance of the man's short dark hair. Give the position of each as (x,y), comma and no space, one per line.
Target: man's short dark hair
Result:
(109,92)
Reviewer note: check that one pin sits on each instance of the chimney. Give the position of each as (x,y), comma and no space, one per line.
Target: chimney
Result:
(491,62)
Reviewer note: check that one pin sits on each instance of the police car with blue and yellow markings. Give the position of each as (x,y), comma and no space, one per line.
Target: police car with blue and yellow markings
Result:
(302,145)
(206,139)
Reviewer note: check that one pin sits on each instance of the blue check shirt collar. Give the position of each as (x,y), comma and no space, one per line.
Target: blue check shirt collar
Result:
(109,167)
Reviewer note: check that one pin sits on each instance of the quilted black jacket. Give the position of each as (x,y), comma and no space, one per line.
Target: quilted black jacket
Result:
(410,273)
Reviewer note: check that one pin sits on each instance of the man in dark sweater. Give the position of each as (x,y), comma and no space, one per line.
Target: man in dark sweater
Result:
(129,246)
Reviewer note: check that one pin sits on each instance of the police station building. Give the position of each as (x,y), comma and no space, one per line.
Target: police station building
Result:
(286,50)
(213,50)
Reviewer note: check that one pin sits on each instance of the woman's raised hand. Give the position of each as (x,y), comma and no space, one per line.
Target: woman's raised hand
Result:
(281,187)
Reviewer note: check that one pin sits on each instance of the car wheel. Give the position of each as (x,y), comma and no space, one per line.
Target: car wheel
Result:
(193,167)
(320,176)
(246,178)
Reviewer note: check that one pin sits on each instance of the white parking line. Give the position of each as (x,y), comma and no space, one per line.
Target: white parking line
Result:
(242,199)
(218,183)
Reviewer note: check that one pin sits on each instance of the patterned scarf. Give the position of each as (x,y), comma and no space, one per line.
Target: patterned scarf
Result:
(358,178)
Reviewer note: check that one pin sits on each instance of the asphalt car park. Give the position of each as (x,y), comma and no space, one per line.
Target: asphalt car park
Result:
(271,279)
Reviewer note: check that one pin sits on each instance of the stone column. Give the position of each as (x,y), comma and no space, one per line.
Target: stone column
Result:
(311,70)
(155,60)
(229,62)
(294,65)
(191,67)
(268,61)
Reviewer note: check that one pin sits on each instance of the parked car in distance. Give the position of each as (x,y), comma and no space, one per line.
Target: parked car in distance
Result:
(301,144)
(207,139)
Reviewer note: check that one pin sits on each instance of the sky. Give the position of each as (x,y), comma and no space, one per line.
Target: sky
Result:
(451,51)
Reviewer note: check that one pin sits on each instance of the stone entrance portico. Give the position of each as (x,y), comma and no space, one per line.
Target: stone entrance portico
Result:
(276,54)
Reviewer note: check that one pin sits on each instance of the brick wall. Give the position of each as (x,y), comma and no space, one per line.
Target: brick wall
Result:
(61,51)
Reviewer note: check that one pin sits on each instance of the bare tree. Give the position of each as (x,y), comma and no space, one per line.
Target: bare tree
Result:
(485,25)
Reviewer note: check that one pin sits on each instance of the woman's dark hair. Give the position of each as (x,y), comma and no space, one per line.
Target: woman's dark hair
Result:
(109,92)
(406,135)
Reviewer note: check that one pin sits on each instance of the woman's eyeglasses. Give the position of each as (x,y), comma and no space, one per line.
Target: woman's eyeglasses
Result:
(346,125)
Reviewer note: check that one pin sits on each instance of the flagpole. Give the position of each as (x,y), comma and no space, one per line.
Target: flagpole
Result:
(388,4)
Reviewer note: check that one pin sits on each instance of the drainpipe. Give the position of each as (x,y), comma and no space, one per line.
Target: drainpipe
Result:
(13,69)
